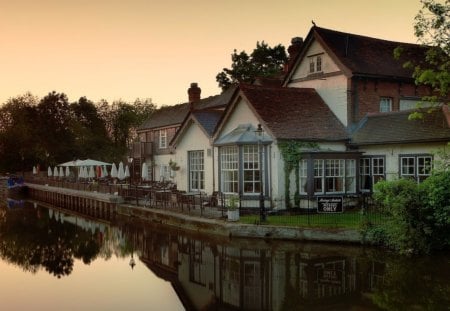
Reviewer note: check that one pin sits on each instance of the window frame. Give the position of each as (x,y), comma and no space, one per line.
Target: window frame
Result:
(373,176)
(385,100)
(229,167)
(413,166)
(196,160)
(163,139)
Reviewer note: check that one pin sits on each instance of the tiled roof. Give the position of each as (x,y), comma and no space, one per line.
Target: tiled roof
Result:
(166,116)
(208,119)
(370,56)
(394,127)
(174,115)
(294,113)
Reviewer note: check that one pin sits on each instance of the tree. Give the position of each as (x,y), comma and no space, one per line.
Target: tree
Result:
(432,29)
(18,146)
(264,61)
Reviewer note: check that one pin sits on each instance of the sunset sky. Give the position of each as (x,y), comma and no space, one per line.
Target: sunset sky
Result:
(117,49)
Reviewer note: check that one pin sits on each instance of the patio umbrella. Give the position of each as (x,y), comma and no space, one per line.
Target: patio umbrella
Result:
(144,173)
(34,170)
(121,171)
(49,172)
(127,171)
(67,171)
(104,172)
(61,172)
(91,173)
(55,172)
(114,171)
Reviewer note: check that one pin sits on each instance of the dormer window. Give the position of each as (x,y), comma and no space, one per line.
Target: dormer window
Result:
(315,63)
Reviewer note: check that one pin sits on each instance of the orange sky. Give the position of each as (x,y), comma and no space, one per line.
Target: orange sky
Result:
(116,49)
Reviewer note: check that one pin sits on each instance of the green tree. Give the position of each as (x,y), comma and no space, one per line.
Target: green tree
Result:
(432,29)
(264,61)
(54,132)
(89,130)
(18,146)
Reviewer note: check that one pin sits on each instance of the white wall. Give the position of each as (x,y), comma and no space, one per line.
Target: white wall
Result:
(332,89)
(392,153)
(193,139)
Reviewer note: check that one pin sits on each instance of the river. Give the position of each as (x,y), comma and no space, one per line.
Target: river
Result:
(54,260)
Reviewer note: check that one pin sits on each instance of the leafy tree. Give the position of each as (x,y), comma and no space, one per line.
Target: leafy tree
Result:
(17,128)
(432,29)
(54,133)
(89,130)
(264,61)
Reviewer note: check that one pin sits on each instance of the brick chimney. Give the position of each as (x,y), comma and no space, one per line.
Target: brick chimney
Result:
(293,50)
(194,94)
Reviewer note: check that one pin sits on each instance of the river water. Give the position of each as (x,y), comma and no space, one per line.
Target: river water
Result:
(53,260)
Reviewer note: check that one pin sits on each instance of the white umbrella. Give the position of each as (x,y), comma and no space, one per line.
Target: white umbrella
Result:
(49,172)
(67,171)
(121,171)
(144,173)
(34,170)
(127,171)
(61,172)
(104,172)
(91,173)
(114,171)
(55,172)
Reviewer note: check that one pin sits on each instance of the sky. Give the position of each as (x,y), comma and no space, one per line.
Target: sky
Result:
(123,50)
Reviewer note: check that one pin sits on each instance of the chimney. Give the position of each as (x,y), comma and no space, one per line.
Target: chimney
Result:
(293,50)
(194,94)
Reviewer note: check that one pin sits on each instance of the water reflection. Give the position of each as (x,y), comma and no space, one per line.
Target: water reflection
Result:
(209,273)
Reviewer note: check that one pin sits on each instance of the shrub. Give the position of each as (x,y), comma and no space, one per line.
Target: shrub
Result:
(419,214)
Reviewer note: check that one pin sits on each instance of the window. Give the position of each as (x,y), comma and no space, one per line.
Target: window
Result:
(408,104)
(164,172)
(315,63)
(334,176)
(385,104)
(371,170)
(251,169)
(311,65)
(318,176)
(303,175)
(163,139)
(229,163)
(319,63)
(196,170)
(417,167)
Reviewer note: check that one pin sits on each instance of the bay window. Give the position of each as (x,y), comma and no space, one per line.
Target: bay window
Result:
(229,162)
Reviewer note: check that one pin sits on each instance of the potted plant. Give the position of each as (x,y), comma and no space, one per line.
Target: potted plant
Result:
(232,208)
(173,168)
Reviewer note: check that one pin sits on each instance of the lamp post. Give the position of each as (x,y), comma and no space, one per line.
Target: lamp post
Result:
(262,210)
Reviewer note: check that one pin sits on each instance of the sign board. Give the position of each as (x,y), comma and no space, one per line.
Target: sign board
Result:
(330,205)
(330,277)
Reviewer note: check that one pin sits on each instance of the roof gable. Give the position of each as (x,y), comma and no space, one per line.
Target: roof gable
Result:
(362,55)
(294,113)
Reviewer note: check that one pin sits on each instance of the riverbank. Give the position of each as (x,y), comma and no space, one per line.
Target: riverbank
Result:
(195,221)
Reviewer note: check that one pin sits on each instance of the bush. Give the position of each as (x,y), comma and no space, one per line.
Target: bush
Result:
(419,214)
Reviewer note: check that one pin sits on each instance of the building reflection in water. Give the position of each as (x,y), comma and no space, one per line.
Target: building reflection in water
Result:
(217,273)
(253,274)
